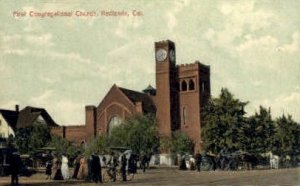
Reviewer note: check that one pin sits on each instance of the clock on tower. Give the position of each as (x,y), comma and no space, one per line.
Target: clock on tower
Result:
(161,55)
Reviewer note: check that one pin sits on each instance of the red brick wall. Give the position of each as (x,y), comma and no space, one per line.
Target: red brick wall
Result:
(189,101)
(115,103)
(57,131)
(76,134)
(163,90)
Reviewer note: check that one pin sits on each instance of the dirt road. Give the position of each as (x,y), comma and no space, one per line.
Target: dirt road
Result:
(172,176)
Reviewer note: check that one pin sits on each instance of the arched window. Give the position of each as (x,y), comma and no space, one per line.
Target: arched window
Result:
(183,86)
(114,121)
(191,85)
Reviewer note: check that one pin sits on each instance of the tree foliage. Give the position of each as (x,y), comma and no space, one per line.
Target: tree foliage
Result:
(287,136)
(181,143)
(31,138)
(222,123)
(63,146)
(98,145)
(260,132)
(138,133)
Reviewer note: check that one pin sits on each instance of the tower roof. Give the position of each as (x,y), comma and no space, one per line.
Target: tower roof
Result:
(149,88)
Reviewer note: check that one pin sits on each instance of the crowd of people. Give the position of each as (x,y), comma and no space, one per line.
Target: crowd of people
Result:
(90,169)
(85,168)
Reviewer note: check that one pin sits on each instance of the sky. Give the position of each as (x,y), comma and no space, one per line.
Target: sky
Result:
(64,63)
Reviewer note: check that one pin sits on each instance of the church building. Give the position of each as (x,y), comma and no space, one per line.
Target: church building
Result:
(181,91)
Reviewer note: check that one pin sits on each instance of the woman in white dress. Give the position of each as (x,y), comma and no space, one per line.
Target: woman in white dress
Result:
(65,167)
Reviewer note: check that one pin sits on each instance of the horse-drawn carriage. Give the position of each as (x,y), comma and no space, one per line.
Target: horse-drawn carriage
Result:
(228,161)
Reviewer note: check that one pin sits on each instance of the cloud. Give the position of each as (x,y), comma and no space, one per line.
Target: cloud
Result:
(67,112)
(294,46)
(69,57)
(126,67)
(11,38)
(266,43)
(125,24)
(76,57)
(19,52)
(40,40)
(239,17)
(9,105)
(269,43)
(245,13)
(42,99)
(47,79)
(62,111)
(172,13)
(284,104)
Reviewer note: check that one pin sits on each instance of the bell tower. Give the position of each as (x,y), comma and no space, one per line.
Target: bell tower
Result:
(166,91)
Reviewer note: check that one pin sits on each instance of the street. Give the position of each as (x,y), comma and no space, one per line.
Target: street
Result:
(173,176)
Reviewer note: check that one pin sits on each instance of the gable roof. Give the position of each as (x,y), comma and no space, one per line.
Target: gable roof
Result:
(134,96)
(10,117)
(29,114)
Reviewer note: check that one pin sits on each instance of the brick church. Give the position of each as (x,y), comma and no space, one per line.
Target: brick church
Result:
(181,91)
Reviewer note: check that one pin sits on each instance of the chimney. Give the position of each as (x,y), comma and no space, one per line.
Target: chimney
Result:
(17,108)
(90,121)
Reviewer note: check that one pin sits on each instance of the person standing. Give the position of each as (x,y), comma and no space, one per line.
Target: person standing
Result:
(198,159)
(89,166)
(96,169)
(112,170)
(65,167)
(83,169)
(132,164)
(55,166)
(48,169)
(76,167)
(144,162)
(123,167)
(15,167)
(182,165)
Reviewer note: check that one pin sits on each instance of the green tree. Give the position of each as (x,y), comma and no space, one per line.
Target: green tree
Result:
(99,144)
(138,133)
(165,144)
(63,146)
(286,139)
(223,123)
(181,143)
(260,133)
(31,138)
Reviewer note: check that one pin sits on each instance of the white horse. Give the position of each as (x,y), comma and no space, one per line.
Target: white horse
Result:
(274,160)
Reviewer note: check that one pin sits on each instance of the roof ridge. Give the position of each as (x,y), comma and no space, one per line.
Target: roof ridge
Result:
(131,90)
(7,110)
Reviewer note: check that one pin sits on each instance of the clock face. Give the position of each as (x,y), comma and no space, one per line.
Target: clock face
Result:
(161,54)
(172,55)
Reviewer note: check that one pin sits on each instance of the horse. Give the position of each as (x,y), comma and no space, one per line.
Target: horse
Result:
(250,160)
(274,160)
